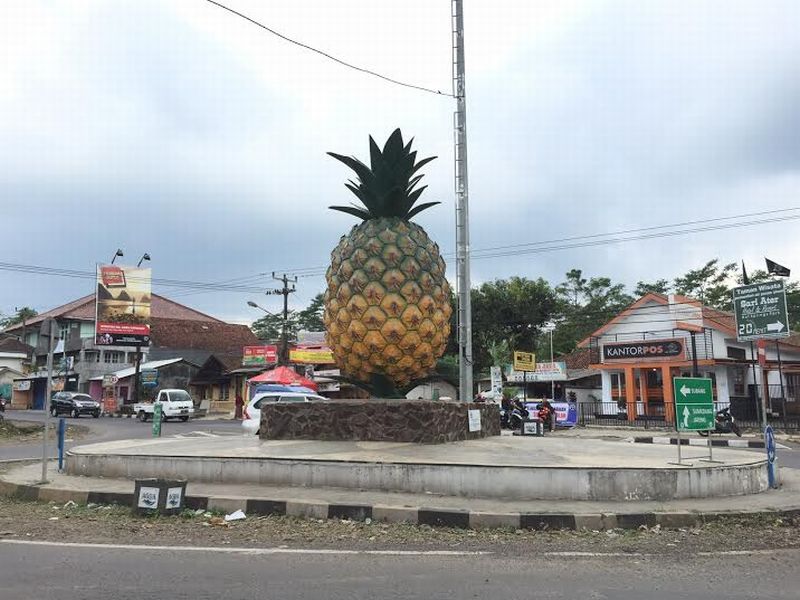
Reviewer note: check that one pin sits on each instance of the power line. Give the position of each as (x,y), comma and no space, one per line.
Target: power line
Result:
(328,56)
(310,271)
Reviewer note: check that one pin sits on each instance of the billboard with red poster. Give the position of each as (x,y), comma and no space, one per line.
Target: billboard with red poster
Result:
(257,356)
(122,303)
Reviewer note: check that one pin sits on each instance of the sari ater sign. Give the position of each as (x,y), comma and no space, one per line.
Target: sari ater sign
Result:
(123,306)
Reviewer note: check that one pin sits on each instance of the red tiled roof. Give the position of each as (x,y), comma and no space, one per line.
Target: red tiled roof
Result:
(214,336)
(577,359)
(83,309)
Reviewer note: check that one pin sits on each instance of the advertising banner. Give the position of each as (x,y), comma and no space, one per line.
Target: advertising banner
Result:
(122,303)
(549,371)
(566,412)
(313,356)
(258,356)
(149,377)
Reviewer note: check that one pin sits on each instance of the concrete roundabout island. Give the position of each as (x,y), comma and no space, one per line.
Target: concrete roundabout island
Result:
(502,467)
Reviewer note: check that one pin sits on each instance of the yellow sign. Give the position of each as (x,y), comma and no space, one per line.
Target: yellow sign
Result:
(312,356)
(524,361)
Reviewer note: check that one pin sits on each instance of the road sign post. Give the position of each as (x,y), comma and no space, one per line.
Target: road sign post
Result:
(769,444)
(525,362)
(760,311)
(157,418)
(694,407)
(761,314)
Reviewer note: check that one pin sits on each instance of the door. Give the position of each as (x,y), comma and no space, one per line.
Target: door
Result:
(39,392)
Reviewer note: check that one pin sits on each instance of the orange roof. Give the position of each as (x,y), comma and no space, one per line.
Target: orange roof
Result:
(716,319)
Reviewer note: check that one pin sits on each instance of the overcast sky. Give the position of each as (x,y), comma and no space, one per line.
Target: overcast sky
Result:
(178,129)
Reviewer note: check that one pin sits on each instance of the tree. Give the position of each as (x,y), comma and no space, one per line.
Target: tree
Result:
(23,314)
(269,327)
(583,305)
(659,286)
(510,311)
(708,284)
(310,318)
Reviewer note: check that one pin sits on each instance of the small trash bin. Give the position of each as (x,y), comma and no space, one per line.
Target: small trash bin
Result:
(162,496)
(532,427)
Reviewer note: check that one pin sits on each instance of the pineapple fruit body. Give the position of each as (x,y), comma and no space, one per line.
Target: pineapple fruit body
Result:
(387,306)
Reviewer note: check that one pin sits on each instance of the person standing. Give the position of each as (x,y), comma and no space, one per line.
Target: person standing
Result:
(239,406)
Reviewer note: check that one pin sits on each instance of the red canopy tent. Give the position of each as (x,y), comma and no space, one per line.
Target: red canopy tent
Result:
(283,376)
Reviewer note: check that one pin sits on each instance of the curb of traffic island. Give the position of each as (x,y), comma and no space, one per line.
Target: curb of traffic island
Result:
(425,515)
(703,442)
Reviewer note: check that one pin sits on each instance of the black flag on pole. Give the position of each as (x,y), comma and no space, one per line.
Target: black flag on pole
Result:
(745,278)
(774,268)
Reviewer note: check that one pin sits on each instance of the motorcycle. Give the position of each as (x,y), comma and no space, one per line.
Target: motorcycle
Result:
(2,406)
(517,415)
(723,423)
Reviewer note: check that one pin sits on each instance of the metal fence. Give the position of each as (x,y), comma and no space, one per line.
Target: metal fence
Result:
(781,414)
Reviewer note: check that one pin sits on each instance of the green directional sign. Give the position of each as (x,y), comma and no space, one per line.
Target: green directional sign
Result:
(694,403)
(760,311)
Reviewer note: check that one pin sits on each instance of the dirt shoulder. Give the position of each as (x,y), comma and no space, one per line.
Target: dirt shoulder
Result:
(114,524)
(20,432)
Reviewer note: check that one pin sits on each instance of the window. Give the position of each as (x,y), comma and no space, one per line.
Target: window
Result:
(113,357)
(91,356)
(292,399)
(63,332)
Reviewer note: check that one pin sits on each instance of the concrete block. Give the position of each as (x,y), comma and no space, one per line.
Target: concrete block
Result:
(635,520)
(311,510)
(487,520)
(592,522)
(354,512)
(394,514)
(266,507)
(609,521)
(547,521)
(8,489)
(63,496)
(676,520)
(227,505)
(443,518)
(110,498)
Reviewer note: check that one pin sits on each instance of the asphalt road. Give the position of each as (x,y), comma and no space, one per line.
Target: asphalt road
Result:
(45,572)
(106,429)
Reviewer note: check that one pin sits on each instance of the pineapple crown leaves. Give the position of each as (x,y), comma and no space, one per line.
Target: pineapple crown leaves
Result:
(388,187)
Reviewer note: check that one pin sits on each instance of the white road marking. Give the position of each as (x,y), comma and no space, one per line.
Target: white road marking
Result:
(253,551)
(335,552)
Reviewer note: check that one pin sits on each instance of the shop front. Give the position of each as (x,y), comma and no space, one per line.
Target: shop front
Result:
(638,359)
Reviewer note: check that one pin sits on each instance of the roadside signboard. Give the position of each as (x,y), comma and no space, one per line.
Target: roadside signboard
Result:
(122,304)
(694,403)
(149,377)
(257,356)
(110,380)
(524,361)
(311,356)
(760,311)
(496,378)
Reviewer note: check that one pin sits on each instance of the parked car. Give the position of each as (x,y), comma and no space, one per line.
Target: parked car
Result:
(175,404)
(74,404)
(252,412)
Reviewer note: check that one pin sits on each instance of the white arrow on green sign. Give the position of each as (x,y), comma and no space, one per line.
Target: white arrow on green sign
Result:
(694,403)
(760,311)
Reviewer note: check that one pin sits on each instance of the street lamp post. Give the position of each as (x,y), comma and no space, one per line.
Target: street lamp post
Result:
(116,254)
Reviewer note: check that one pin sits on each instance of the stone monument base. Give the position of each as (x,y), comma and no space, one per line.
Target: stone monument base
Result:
(421,421)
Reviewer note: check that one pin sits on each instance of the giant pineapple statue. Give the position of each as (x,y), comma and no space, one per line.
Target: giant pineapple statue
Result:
(387,306)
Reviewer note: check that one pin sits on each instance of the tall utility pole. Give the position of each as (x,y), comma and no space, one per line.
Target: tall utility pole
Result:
(283,359)
(462,207)
(48,328)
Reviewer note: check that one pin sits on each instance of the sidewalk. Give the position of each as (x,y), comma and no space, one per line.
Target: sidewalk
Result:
(320,503)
